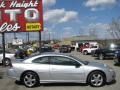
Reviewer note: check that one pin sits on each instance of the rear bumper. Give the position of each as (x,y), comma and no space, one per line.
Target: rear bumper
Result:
(12,74)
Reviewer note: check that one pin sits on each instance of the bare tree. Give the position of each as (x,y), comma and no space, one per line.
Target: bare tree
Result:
(114,28)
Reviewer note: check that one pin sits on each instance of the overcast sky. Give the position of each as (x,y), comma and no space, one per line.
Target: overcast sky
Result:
(65,18)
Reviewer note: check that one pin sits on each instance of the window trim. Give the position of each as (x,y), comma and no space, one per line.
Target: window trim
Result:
(41,57)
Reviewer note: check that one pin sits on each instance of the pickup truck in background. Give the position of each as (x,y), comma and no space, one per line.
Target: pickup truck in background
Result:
(88,50)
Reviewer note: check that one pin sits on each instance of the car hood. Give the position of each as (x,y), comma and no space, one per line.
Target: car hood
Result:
(96,64)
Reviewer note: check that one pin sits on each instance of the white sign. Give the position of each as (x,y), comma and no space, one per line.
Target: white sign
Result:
(17,42)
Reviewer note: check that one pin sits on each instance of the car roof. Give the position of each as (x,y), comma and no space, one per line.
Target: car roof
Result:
(45,54)
(50,54)
(54,54)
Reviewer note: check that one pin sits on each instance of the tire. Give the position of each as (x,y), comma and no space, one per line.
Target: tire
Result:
(93,55)
(7,62)
(96,79)
(30,79)
(85,52)
(101,57)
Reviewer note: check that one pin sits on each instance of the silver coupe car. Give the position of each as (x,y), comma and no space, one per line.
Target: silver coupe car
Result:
(56,68)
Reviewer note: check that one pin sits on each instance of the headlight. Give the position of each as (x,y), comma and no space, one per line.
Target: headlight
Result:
(109,68)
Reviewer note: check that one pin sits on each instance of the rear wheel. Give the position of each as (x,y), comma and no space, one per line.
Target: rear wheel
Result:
(85,52)
(30,79)
(96,79)
(7,62)
(101,56)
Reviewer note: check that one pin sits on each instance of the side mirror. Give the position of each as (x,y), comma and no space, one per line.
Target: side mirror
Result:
(77,65)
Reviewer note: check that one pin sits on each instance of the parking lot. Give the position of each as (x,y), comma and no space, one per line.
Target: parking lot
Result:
(10,84)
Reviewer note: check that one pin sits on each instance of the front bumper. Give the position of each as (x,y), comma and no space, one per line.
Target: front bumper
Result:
(111,76)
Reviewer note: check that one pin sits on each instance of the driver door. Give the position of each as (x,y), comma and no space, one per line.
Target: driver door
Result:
(65,69)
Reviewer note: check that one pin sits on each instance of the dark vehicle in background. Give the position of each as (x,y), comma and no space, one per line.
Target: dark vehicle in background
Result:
(72,48)
(46,49)
(21,53)
(65,49)
(94,53)
(117,58)
(105,53)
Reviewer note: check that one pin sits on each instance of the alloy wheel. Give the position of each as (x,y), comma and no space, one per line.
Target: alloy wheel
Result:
(96,79)
(30,79)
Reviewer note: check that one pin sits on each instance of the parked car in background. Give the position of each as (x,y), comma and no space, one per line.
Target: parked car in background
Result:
(52,68)
(46,49)
(117,58)
(105,53)
(8,57)
(82,46)
(65,49)
(72,48)
(94,53)
(21,53)
(56,46)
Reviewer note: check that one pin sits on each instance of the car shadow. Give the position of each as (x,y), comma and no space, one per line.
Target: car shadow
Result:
(96,58)
(55,84)
(117,65)
(1,77)
(0,64)
(63,84)
(18,82)
(111,83)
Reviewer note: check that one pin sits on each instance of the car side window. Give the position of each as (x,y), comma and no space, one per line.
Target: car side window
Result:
(57,60)
(41,60)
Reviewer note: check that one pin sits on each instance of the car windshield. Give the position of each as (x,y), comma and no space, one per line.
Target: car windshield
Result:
(76,58)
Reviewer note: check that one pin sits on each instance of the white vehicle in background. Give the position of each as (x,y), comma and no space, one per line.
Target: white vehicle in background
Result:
(92,46)
(8,58)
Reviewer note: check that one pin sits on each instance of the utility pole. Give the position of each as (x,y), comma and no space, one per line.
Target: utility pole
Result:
(14,35)
(3,44)
(40,42)
(27,37)
(49,37)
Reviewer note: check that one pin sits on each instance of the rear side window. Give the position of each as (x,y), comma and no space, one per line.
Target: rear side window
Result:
(41,60)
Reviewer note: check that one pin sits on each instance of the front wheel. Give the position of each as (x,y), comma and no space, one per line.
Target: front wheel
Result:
(30,79)
(96,79)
